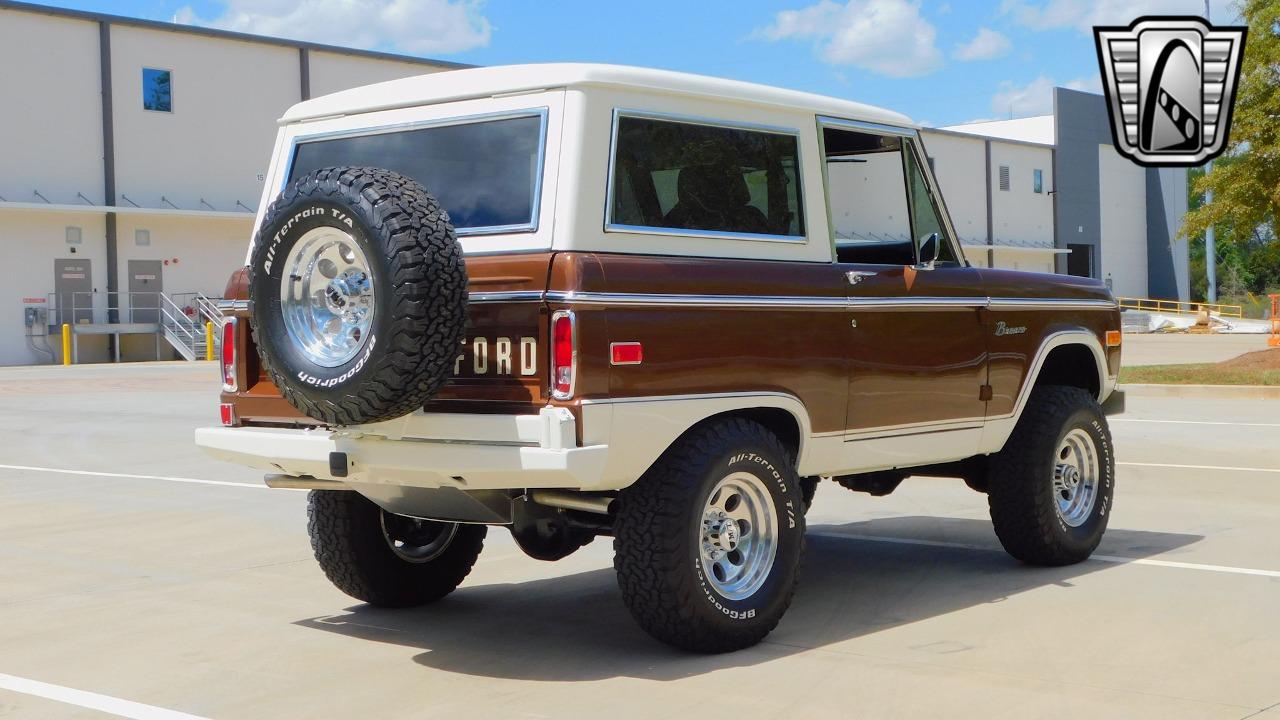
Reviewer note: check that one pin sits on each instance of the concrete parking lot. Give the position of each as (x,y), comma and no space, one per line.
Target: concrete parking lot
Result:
(142,580)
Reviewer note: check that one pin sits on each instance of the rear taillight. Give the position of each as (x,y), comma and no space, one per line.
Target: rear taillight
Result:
(229,383)
(564,353)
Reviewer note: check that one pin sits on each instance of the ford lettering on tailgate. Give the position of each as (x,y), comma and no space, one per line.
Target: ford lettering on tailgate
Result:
(482,356)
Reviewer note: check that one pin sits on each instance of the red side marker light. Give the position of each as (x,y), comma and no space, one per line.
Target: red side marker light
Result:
(228,414)
(626,353)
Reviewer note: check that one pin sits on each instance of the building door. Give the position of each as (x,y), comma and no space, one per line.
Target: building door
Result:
(73,291)
(1080,260)
(146,282)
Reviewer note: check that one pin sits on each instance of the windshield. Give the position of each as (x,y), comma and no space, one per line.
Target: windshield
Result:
(484,173)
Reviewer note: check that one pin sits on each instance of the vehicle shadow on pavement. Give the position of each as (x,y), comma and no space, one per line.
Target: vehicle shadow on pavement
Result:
(575,627)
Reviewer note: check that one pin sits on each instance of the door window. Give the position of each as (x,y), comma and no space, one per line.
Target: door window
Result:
(867,197)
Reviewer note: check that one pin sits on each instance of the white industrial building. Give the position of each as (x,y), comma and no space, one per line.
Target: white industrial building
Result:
(1051,194)
(133,154)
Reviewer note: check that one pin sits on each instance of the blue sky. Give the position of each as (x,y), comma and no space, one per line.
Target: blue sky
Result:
(940,61)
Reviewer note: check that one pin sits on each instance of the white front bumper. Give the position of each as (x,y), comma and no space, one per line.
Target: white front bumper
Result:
(430,450)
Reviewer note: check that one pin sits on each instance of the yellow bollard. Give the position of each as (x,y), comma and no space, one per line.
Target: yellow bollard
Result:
(66,344)
(208,341)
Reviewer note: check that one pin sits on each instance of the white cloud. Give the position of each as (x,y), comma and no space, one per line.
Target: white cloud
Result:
(1084,14)
(413,26)
(986,45)
(1035,97)
(889,37)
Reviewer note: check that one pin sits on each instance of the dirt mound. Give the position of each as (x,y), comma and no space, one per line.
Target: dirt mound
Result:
(1257,360)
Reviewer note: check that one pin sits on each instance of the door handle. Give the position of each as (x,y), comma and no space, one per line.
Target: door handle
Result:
(857,276)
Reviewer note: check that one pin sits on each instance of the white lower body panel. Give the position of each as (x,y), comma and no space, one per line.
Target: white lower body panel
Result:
(425,450)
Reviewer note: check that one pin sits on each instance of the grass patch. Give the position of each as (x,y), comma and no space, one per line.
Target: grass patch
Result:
(1198,374)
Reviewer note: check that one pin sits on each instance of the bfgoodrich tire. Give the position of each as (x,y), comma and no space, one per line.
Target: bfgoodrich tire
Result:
(359,292)
(708,542)
(1050,489)
(384,559)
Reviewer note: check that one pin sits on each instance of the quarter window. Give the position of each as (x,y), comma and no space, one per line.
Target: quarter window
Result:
(926,219)
(703,178)
(157,90)
(484,173)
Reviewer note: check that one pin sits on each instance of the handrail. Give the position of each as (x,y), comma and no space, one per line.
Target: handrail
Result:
(208,308)
(177,318)
(84,304)
(1179,307)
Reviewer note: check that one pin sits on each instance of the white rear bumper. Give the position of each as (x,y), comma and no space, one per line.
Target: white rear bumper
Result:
(467,452)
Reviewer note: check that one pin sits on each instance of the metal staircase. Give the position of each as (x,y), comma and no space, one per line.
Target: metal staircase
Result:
(182,323)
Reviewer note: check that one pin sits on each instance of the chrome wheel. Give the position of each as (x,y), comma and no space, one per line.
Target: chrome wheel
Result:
(1075,477)
(326,296)
(739,536)
(414,539)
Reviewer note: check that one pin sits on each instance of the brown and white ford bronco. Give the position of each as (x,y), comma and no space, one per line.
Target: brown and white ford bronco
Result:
(582,300)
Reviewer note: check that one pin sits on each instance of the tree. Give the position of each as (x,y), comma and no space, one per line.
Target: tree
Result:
(1246,183)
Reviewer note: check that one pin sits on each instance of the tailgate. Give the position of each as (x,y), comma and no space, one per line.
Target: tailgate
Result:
(501,367)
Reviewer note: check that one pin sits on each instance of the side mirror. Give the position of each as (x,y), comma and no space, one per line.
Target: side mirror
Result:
(928,252)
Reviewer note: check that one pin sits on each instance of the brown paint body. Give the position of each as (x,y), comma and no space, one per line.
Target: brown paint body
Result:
(899,365)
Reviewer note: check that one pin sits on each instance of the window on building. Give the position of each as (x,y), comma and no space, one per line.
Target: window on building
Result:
(1037,181)
(157,90)
(704,178)
(1004,177)
(484,173)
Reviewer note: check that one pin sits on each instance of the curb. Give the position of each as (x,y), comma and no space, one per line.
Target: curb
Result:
(1221,392)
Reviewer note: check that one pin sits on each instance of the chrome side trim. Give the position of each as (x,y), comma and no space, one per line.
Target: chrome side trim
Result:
(788,301)
(691,396)
(889,303)
(721,301)
(1006,303)
(919,428)
(490,296)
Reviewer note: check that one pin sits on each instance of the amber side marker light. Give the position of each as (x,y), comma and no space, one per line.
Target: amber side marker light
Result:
(1113,338)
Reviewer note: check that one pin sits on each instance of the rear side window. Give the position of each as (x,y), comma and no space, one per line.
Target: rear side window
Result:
(485,174)
(698,178)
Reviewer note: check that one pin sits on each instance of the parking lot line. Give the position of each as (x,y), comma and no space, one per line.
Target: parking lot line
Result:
(1192,422)
(131,476)
(1200,467)
(1114,559)
(90,700)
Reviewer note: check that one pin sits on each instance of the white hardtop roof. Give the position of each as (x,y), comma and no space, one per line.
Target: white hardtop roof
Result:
(504,79)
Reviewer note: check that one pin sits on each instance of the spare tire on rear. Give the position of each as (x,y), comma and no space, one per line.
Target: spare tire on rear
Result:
(359,294)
